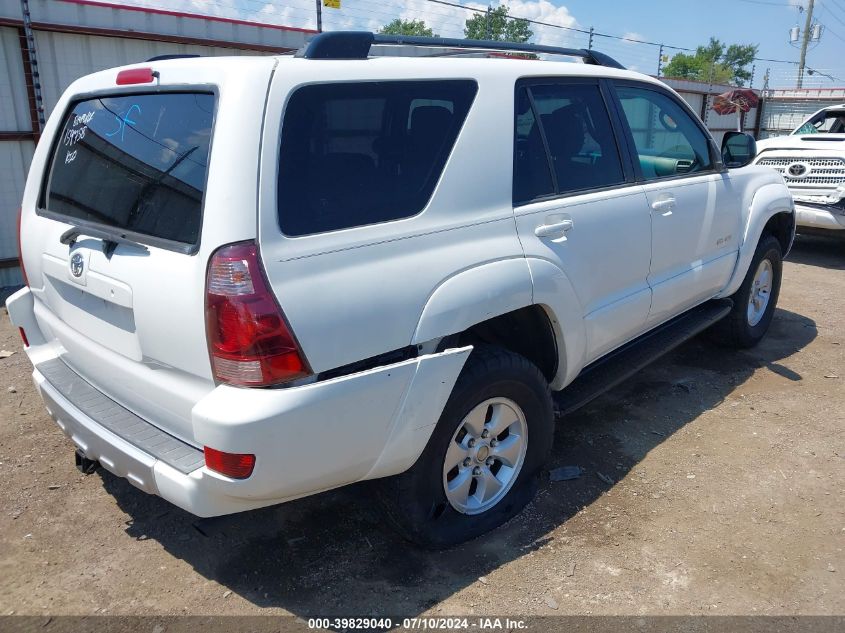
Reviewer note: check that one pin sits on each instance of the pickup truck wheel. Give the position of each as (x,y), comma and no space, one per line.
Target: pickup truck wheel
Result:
(482,462)
(755,301)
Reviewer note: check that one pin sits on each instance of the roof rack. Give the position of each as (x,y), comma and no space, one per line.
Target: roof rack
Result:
(356,45)
(161,58)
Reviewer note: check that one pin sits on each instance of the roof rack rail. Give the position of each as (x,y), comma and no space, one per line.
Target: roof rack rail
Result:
(356,45)
(161,58)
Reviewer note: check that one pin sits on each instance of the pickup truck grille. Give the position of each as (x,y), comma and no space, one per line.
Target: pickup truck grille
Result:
(823,171)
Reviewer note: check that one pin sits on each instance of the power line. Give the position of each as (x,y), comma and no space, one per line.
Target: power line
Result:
(511,17)
(607,35)
(834,16)
(834,33)
(770,4)
(837,5)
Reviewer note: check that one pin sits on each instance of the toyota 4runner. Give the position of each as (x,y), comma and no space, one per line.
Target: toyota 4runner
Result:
(254,279)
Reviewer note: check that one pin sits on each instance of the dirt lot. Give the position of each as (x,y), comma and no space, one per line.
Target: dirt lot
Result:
(714,484)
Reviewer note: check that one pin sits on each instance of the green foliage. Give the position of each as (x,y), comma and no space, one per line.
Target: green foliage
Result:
(502,28)
(408,27)
(714,63)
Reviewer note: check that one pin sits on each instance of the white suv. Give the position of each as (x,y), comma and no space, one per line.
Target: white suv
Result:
(255,279)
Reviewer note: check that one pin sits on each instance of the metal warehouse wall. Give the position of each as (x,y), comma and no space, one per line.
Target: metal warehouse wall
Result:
(699,95)
(785,110)
(78,37)
(63,57)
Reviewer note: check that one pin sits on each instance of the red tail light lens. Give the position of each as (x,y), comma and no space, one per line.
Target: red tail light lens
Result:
(20,250)
(23,337)
(249,339)
(234,465)
(135,76)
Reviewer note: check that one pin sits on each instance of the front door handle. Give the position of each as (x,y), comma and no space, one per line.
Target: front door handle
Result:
(664,205)
(554,227)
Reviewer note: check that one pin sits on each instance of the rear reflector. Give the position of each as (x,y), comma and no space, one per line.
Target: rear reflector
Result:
(249,340)
(234,465)
(23,337)
(135,76)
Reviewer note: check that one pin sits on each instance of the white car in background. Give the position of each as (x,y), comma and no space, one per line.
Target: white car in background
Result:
(253,279)
(812,161)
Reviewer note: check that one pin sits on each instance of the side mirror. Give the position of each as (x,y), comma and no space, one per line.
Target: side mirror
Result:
(738,149)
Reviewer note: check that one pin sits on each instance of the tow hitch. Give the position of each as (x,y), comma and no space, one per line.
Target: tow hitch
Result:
(86,466)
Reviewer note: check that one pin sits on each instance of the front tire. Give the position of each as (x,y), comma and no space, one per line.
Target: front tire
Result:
(482,462)
(755,301)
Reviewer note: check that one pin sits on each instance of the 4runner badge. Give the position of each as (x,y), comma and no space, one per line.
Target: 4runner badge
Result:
(77,264)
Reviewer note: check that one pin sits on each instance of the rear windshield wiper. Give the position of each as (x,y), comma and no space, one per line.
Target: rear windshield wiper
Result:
(110,239)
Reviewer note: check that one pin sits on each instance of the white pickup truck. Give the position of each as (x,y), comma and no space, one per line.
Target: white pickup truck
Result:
(812,161)
(255,279)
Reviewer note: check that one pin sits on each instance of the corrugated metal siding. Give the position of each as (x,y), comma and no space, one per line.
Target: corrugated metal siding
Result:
(782,116)
(137,19)
(64,57)
(10,277)
(14,106)
(693,99)
(15,157)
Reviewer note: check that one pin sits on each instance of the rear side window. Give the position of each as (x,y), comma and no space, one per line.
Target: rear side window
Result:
(532,177)
(567,127)
(354,154)
(135,163)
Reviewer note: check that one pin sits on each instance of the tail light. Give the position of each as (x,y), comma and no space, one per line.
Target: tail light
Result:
(20,250)
(249,340)
(234,465)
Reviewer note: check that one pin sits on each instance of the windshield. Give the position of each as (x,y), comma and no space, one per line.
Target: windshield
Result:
(827,122)
(134,162)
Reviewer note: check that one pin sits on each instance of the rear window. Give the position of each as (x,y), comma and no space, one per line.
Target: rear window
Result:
(361,153)
(137,163)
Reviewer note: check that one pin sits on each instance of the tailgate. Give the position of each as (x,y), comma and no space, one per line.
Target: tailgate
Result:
(129,193)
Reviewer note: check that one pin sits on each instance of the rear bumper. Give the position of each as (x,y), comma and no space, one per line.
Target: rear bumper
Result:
(190,491)
(306,439)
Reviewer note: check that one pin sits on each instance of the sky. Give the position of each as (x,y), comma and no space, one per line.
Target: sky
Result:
(678,23)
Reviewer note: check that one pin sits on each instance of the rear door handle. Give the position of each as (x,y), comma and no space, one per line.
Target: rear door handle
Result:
(664,205)
(555,228)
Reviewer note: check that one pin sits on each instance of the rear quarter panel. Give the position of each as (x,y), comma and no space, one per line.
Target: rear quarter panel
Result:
(355,293)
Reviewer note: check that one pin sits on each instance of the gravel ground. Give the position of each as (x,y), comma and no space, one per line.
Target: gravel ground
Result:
(713,484)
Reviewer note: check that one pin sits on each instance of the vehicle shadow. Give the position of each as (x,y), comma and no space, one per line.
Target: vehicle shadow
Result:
(816,250)
(305,556)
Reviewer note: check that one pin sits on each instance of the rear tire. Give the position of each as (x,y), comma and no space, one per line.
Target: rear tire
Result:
(497,428)
(755,301)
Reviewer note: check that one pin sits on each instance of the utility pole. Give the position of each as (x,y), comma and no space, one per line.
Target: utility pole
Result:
(805,40)
(709,92)
(33,64)
(660,61)
(489,23)
(319,16)
(590,43)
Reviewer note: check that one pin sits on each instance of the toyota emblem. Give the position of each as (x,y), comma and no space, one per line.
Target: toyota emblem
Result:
(797,170)
(77,264)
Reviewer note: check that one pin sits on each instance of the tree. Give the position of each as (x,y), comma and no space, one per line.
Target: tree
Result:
(714,62)
(408,27)
(502,28)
